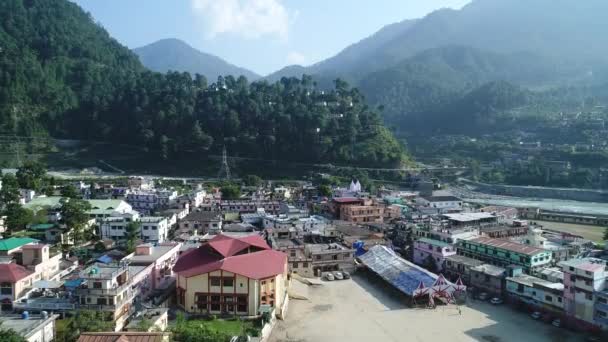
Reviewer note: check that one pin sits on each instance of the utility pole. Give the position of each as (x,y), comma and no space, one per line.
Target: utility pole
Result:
(224,169)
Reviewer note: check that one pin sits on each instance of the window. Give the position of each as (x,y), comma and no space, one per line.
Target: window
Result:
(588,273)
(228,282)
(572,277)
(602,300)
(215,307)
(601,314)
(6,288)
(296,265)
(263,282)
(146,227)
(588,296)
(548,298)
(153,227)
(317,257)
(305,265)
(335,257)
(572,269)
(215,281)
(559,299)
(97,285)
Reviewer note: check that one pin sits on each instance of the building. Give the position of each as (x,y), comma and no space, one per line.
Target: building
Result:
(336,205)
(478,220)
(362,213)
(243,207)
(443,203)
(459,266)
(585,282)
(14,281)
(544,294)
(154,228)
(12,245)
(162,257)
(330,257)
(114,289)
(140,183)
(428,249)
(488,278)
(233,276)
(148,201)
(504,253)
(201,222)
(34,328)
(124,336)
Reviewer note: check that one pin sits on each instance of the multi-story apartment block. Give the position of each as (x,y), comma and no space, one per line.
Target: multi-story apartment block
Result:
(162,257)
(330,257)
(201,222)
(436,250)
(149,201)
(362,213)
(505,253)
(585,282)
(542,293)
(152,228)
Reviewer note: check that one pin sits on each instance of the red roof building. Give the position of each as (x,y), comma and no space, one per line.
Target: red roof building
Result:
(231,275)
(14,280)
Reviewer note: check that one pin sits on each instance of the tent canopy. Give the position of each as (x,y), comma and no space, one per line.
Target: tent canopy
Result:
(47,284)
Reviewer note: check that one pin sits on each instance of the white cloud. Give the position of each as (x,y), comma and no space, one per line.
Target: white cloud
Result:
(294,57)
(247,18)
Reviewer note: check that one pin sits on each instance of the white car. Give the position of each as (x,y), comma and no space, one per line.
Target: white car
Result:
(496,301)
(557,323)
(535,315)
(338,275)
(329,276)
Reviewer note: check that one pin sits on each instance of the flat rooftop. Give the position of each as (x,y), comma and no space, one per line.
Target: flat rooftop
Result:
(469,217)
(156,252)
(25,327)
(508,245)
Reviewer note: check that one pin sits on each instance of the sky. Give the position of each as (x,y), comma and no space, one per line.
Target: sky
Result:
(261,35)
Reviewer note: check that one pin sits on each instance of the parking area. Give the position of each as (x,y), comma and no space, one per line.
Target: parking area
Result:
(364,309)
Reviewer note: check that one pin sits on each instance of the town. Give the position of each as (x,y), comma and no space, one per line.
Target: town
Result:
(137,256)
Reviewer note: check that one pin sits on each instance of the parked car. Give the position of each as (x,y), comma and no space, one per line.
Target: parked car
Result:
(482,296)
(496,301)
(536,315)
(329,276)
(346,275)
(338,275)
(557,322)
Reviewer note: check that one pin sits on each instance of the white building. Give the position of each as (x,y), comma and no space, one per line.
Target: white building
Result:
(36,328)
(148,201)
(441,202)
(152,228)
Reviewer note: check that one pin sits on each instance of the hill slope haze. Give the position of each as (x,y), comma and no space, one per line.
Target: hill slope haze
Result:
(176,55)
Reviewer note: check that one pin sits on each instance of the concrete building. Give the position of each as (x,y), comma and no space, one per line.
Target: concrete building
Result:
(585,282)
(34,328)
(443,203)
(544,294)
(154,228)
(504,253)
(362,213)
(201,222)
(161,257)
(459,266)
(232,276)
(488,278)
(148,201)
(436,250)
(330,257)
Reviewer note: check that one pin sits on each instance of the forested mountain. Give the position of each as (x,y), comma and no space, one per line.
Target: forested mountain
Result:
(64,75)
(550,28)
(176,55)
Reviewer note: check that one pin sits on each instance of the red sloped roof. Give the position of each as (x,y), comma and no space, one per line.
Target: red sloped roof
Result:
(256,265)
(228,246)
(12,273)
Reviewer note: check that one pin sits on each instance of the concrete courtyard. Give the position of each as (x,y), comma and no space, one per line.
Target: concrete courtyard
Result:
(367,309)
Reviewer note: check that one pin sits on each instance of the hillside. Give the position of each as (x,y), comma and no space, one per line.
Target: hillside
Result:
(176,55)
(64,76)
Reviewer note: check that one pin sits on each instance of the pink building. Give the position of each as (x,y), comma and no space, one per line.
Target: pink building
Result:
(585,280)
(438,250)
(162,257)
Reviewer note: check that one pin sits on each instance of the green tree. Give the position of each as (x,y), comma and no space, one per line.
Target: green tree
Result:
(325,190)
(606,234)
(132,234)
(18,217)
(74,215)
(9,193)
(230,191)
(252,180)
(8,335)
(69,191)
(31,175)
(89,321)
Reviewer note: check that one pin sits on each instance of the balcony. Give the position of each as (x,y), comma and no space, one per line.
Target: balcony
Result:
(47,304)
(601,306)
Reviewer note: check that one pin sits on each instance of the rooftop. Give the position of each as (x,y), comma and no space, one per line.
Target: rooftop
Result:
(508,245)
(12,272)
(488,269)
(122,336)
(586,264)
(203,216)
(461,259)
(434,242)
(469,217)
(25,327)
(156,252)
(151,219)
(12,243)
(442,198)
(530,281)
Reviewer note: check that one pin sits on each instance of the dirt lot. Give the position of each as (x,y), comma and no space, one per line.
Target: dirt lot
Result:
(594,233)
(365,309)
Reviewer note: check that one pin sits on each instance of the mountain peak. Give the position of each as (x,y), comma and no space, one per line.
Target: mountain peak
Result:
(172,54)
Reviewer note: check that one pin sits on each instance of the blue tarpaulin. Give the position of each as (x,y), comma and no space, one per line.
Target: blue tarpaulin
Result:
(73,282)
(105,259)
(400,273)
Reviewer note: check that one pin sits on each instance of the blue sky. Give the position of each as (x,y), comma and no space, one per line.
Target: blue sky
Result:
(262,35)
